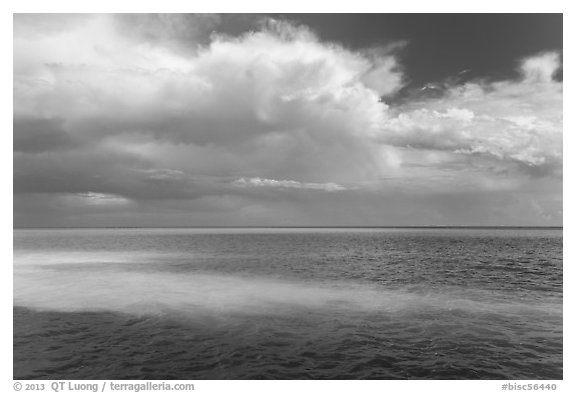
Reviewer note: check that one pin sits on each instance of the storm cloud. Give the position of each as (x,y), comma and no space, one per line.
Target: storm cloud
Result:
(167,120)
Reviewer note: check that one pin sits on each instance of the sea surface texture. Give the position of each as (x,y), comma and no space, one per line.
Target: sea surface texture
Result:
(288,304)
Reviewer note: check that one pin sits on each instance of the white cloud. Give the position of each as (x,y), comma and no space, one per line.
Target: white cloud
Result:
(277,101)
(385,75)
(148,109)
(99,199)
(510,121)
(541,68)
(258,182)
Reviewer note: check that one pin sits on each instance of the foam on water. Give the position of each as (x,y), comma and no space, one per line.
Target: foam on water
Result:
(104,281)
(52,258)
(198,304)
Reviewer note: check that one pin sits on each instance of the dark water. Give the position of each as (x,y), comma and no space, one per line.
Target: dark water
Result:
(288,304)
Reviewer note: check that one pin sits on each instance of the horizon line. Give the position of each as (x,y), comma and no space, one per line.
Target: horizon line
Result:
(308,226)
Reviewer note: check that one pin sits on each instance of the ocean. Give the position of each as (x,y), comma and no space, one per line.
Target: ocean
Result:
(288,303)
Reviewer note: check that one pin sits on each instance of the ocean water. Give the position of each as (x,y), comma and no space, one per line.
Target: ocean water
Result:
(288,304)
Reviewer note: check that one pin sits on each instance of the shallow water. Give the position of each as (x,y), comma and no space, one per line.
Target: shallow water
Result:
(288,304)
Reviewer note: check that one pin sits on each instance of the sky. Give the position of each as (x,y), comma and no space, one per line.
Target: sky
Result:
(287,120)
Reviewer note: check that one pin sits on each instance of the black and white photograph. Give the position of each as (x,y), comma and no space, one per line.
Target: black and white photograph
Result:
(287,196)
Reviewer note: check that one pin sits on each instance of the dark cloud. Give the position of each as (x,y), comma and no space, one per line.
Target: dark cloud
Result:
(36,135)
(196,120)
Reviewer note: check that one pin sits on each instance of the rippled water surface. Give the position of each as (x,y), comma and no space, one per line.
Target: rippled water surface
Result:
(288,304)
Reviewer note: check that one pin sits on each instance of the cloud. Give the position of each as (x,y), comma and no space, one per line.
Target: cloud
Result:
(97,199)
(516,122)
(542,68)
(183,32)
(385,75)
(258,182)
(37,135)
(276,103)
(167,111)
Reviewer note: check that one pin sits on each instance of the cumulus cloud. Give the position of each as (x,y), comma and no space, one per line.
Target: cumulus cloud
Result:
(277,102)
(519,122)
(385,75)
(185,32)
(148,109)
(541,68)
